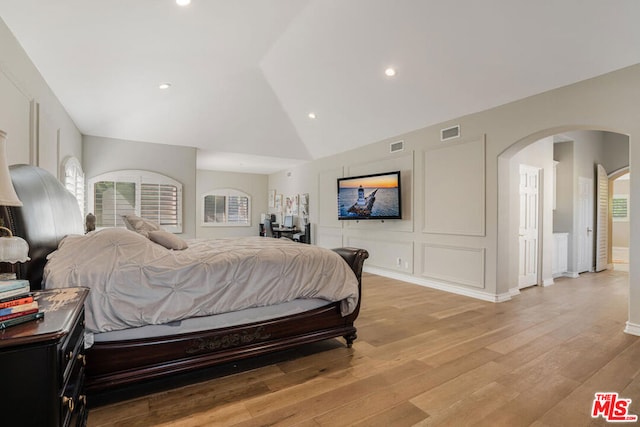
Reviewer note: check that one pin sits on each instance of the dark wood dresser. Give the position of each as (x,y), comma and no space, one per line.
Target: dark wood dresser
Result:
(42,364)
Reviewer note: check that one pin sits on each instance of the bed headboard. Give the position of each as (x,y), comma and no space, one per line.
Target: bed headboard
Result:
(48,214)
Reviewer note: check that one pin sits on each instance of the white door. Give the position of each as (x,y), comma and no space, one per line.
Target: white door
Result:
(602,220)
(528,230)
(585,224)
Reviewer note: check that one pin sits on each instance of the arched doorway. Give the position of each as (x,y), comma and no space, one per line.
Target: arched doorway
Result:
(597,148)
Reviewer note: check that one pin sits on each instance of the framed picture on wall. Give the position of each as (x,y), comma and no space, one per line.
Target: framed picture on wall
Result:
(278,203)
(304,207)
(291,205)
(272,198)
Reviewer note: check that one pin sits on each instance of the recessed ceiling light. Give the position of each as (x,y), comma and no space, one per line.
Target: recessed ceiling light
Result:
(164,85)
(183,2)
(312,115)
(390,72)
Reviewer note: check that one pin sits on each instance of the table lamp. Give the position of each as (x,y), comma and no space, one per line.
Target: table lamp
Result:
(12,249)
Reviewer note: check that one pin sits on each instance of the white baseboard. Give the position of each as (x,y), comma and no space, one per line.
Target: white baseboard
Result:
(632,328)
(548,282)
(441,286)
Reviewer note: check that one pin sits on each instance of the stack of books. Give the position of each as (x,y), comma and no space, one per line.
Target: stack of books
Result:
(16,303)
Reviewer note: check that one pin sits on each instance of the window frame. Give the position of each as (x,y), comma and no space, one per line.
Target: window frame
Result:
(620,218)
(225,192)
(140,177)
(73,176)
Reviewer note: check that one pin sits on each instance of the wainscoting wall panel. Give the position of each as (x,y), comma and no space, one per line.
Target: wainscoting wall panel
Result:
(390,255)
(328,197)
(454,188)
(15,113)
(328,237)
(459,265)
(403,163)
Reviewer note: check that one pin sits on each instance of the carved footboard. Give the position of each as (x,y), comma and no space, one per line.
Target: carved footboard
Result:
(118,363)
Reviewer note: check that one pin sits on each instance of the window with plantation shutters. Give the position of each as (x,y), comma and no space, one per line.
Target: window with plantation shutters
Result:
(149,195)
(74,180)
(620,207)
(226,207)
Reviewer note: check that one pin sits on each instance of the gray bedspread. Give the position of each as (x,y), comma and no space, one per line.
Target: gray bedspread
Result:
(135,282)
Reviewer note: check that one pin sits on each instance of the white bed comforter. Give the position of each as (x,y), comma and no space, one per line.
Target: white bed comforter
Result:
(135,282)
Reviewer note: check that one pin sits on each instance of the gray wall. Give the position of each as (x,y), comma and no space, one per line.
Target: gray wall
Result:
(482,260)
(106,155)
(620,229)
(255,185)
(39,130)
(539,155)
(578,157)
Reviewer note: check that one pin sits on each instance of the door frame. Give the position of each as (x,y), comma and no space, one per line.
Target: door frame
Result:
(538,221)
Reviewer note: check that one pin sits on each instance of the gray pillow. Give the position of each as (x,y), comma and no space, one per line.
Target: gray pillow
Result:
(140,225)
(168,240)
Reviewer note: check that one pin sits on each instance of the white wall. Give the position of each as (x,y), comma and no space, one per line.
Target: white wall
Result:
(255,185)
(39,130)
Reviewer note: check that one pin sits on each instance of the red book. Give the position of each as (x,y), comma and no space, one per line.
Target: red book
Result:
(16,301)
(14,315)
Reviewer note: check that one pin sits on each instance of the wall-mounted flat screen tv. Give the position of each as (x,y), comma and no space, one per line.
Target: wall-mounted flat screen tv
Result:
(375,196)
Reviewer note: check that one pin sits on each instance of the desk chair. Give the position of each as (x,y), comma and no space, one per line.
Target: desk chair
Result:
(268,229)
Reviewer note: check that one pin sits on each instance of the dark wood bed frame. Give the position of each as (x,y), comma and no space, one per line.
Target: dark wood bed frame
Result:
(50,213)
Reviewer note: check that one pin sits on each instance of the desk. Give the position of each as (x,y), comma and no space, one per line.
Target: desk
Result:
(286,231)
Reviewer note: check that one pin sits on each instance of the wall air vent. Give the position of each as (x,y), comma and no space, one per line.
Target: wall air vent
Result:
(450,133)
(394,147)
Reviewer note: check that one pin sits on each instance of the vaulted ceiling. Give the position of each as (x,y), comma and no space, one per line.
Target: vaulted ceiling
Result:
(245,74)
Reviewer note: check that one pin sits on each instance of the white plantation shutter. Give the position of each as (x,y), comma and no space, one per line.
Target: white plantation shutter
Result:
(226,207)
(112,200)
(159,203)
(149,195)
(602,219)
(238,209)
(74,180)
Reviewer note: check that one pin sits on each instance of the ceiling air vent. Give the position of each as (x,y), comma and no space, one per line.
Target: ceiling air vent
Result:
(450,133)
(394,147)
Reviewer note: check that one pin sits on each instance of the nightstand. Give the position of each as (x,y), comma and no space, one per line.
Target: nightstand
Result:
(42,364)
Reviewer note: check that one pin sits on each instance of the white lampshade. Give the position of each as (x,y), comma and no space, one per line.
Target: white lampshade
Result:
(8,196)
(13,249)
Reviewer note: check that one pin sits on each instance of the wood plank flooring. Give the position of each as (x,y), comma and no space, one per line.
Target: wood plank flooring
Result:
(428,358)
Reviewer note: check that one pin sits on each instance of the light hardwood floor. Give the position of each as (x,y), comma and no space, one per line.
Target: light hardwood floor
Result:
(425,357)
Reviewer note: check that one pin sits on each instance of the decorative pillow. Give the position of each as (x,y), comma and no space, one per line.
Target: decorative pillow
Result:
(140,225)
(168,240)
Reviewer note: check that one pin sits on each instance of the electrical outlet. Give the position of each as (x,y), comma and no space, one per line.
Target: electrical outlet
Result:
(406,265)
(399,262)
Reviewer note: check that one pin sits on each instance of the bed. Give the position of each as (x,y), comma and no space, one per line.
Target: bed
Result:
(123,357)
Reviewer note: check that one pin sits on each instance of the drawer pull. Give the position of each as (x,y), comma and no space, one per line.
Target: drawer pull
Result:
(68,402)
(83,359)
(70,355)
(83,399)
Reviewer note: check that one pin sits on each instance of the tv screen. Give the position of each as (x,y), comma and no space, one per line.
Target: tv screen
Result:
(375,196)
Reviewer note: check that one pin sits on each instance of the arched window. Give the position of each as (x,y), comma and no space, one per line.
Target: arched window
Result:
(226,207)
(147,194)
(74,180)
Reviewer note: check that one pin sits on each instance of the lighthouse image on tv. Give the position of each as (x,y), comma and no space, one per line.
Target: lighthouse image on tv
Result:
(374,196)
